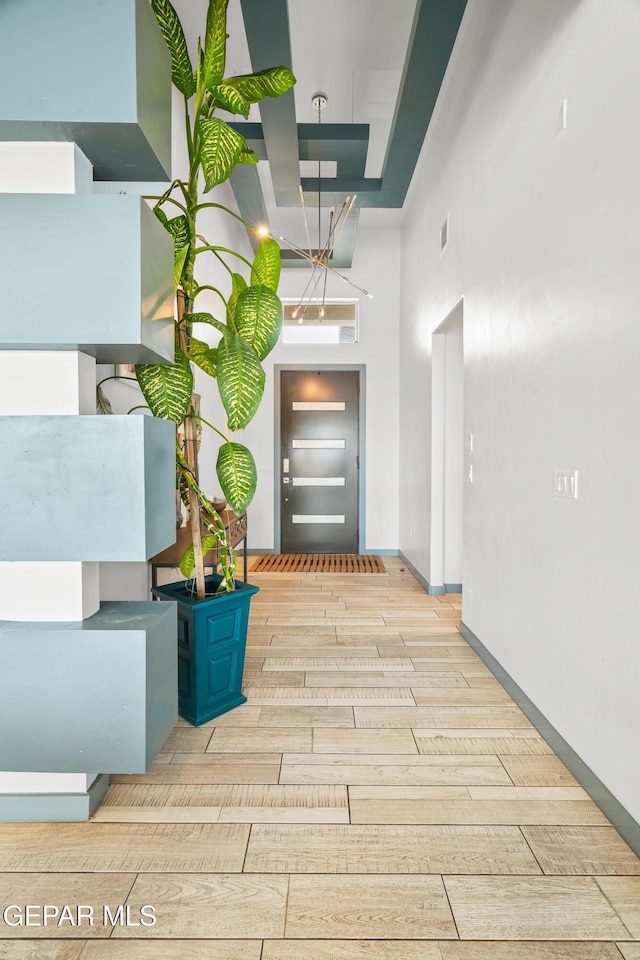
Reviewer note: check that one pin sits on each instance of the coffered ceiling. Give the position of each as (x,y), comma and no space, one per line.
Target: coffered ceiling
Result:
(379,62)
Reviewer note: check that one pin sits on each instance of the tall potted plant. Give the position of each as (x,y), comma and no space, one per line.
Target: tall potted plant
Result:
(213,611)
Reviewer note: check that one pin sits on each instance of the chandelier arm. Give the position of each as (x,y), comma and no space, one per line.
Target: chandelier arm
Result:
(304,214)
(311,280)
(308,255)
(324,292)
(350,282)
(340,224)
(314,263)
(334,222)
(327,250)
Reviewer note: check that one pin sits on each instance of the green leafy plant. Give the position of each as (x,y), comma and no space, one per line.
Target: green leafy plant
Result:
(252,310)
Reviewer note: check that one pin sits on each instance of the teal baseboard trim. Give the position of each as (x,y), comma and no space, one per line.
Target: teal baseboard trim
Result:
(453,588)
(433,591)
(257,552)
(53,807)
(379,553)
(619,817)
(97,792)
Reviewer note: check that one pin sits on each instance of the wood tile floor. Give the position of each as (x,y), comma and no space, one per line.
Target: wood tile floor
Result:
(379,797)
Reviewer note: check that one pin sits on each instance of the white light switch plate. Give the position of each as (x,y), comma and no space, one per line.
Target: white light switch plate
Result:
(565,484)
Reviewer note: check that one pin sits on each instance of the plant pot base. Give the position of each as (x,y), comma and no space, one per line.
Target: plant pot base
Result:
(197,721)
(212,637)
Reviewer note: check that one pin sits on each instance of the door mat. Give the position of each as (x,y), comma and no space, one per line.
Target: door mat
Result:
(317,563)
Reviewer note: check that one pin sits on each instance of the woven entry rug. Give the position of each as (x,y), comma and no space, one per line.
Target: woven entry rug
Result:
(317,563)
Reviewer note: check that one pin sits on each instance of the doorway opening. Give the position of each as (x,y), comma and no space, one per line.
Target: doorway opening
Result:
(318,460)
(447,454)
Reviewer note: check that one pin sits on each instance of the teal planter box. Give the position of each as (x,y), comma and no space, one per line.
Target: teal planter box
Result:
(212,639)
(111,298)
(86,488)
(99,74)
(92,695)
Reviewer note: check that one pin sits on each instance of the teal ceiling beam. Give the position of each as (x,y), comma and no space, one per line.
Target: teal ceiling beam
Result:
(284,143)
(435,27)
(434,31)
(247,188)
(346,143)
(267,29)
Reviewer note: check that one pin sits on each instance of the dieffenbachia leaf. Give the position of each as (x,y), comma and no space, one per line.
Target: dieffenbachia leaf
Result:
(237,474)
(248,155)
(103,404)
(266,265)
(240,380)
(215,42)
(254,87)
(220,148)
(230,99)
(178,265)
(207,318)
(258,318)
(171,28)
(178,227)
(238,284)
(188,558)
(167,389)
(203,356)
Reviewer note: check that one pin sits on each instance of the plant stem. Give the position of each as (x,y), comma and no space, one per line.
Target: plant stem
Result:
(211,426)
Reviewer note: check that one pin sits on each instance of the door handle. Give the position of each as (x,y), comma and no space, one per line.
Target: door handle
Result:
(285,480)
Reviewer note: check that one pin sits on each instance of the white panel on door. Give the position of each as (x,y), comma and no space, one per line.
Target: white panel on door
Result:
(319,481)
(318,405)
(317,518)
(318,444)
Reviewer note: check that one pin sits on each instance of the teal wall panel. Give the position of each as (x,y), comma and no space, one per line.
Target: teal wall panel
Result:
(86,488)
(98,73)
(93,273)
(97,694)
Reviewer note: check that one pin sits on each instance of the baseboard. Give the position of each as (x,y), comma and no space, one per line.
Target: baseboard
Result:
(453,588)
(97,792)
(618,816)
(432,591)
(54,807)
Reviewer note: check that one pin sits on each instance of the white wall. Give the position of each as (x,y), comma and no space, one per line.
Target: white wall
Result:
(543,248)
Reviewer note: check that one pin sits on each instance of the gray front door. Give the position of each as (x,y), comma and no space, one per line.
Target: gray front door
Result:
(319,461)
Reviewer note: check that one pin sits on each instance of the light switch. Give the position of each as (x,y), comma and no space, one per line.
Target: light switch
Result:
(565,484)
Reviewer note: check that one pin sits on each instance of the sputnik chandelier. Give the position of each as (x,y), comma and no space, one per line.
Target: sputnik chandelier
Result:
(316,289)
